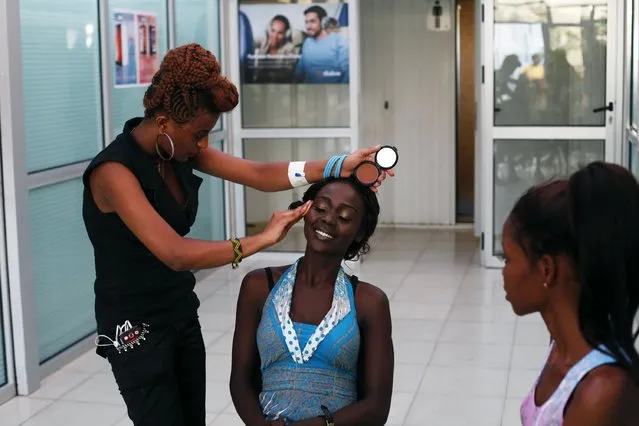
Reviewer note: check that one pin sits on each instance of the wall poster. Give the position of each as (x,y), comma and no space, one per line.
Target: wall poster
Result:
(135,47)
(294,43)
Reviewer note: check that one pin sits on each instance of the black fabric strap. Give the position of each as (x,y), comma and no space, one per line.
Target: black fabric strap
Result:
(269,276)
(354,281)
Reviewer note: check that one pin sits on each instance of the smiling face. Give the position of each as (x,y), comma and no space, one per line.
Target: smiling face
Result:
(335,220)
(277,33)
(189,138)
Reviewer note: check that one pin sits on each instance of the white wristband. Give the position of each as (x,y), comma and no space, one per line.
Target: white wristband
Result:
(296,174)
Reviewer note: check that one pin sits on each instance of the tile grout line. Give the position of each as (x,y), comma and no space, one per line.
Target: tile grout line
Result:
(410,406)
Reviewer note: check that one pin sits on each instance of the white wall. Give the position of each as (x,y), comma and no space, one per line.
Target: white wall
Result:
(414,69)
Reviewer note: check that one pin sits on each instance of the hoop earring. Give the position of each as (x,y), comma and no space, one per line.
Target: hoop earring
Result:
(157,146)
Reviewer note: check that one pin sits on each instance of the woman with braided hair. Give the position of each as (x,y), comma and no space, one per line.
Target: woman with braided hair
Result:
(140,200)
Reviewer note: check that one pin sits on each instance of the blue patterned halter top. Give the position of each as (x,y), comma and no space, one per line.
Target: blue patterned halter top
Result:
(306,366)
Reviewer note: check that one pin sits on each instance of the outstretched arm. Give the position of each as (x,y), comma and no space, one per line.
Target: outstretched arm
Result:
(272,177)
(375,327)
(117,190)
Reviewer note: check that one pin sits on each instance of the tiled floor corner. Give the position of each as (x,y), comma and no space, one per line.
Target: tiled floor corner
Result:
(462,357)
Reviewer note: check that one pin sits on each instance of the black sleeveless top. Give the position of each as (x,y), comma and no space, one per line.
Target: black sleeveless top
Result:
(132,283)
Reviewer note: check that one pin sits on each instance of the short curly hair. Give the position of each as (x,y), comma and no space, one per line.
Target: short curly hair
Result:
(187,83)
(371,213)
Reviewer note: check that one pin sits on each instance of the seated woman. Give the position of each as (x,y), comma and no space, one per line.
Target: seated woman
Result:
(312,346)
(571,254)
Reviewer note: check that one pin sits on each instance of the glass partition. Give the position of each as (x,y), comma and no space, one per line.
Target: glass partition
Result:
(61,81)
(210,223)
(261,205)
(634,73)
(63,267)
(550,62)
(520,164)
(138,33)
(198,21)
(294,64)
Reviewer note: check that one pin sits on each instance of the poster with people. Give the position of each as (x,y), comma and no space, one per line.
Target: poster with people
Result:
(135,48)
(294,43)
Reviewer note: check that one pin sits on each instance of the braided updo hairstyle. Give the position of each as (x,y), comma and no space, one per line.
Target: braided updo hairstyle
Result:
(187,83)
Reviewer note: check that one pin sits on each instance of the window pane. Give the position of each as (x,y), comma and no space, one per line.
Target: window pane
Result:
(139,40)
(198,21)
(3,358)
(634,108)
(63,267)
(634,159)
(261,205)
(520,164)
(295,68)
(550,63)
(210,223)
(61,71)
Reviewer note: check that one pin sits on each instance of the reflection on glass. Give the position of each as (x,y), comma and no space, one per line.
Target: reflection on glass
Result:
(210,221)
(633,159)
(261,205)
(198,21)
(3,358)
(550,62)
(294,63)
(634,107)
(520,164)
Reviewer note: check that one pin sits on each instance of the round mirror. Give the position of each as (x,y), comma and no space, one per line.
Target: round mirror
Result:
(367,173)
(387,157)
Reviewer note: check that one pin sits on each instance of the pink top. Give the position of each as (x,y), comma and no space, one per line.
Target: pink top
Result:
(552,412)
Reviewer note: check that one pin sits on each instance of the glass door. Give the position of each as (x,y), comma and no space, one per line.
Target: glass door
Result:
(548,98)
(7,382)
(297,63)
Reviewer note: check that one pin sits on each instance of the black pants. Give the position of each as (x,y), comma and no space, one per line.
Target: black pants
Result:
(163,380)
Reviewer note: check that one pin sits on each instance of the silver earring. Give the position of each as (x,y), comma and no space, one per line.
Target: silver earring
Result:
(157,146)
(546,286)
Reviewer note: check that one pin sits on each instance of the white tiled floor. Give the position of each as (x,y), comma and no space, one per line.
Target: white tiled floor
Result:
(462,357)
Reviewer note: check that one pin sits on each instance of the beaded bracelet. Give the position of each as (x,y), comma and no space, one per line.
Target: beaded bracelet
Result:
(329,166)
(237,250)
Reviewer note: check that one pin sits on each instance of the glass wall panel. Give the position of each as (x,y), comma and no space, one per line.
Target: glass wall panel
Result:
(520,164)
(634,107)
(63,267)
(138,33)
(198,21)
(633,158)
(294,64)
(210,223)
(61,72)
(3,357)
(261,205)
(550,62)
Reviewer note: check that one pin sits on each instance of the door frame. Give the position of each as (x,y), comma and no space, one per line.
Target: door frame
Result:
(488,132)
(238,133)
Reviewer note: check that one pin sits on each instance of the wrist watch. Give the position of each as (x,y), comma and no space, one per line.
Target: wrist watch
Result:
(328,417)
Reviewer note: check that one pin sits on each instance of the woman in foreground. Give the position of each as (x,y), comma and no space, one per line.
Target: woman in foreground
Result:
(312,346)
(571,249)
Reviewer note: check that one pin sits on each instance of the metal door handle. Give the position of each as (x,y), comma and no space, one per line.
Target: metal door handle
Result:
(610,108)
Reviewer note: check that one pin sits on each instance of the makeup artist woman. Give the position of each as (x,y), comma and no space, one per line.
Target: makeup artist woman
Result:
(140,200)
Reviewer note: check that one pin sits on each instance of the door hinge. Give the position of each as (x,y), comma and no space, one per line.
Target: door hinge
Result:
(482,241)
(483,74)
(482,12)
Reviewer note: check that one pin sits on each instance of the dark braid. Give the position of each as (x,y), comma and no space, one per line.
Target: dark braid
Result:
(188,82)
